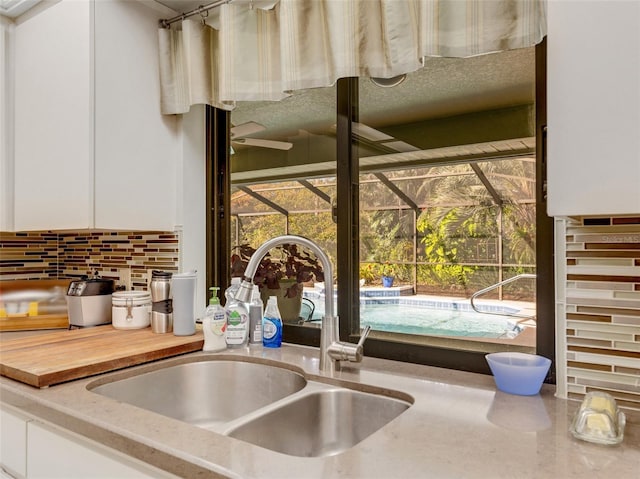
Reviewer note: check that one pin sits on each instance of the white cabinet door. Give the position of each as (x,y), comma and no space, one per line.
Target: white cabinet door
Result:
(53,165)
(56,453)
(13,442)
(593,107)
(138,150)
(6,126)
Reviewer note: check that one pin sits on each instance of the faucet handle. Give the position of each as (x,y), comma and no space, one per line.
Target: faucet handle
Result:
(363,337)
(341,351)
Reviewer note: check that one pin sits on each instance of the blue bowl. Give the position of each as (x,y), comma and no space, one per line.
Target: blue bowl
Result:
(518,373)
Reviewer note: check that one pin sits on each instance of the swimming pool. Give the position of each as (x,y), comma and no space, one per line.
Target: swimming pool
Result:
(431,317)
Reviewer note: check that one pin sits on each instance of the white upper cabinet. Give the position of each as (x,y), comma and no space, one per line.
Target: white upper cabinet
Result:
(53,163)
(137,149)
(593,100)
(92,149)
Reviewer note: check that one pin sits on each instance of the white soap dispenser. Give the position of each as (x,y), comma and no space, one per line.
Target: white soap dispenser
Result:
(214,324)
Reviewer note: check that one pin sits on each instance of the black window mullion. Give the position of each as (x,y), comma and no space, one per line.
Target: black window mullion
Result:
(347,174)
(545,264)
(218,217)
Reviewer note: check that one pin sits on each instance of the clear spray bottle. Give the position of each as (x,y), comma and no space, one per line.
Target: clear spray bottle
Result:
(237,333)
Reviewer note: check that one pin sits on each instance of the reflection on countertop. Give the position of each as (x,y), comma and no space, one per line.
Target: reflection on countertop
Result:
(519,413)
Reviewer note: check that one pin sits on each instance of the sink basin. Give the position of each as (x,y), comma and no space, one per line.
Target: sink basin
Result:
(322,423)
(206,393)
(262,404)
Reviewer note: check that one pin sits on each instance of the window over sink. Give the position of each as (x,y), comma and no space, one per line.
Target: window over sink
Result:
(447,205)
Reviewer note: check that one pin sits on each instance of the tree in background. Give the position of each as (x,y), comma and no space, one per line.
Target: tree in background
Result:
(448,234)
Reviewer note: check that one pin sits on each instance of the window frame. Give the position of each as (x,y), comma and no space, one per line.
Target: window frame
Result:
(347,175)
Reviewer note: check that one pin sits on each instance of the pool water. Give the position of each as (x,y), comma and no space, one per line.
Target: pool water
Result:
(418,320)
(446,321)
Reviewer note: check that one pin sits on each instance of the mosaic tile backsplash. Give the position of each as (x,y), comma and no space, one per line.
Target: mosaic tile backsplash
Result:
(124,256)
(603,308)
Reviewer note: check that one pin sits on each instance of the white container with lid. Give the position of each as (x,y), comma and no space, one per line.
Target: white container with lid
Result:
(131,309)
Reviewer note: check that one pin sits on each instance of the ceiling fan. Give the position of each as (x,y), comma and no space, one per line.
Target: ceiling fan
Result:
(240,132)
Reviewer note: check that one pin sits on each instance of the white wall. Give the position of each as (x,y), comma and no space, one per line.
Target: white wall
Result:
(192,200)
(560,249)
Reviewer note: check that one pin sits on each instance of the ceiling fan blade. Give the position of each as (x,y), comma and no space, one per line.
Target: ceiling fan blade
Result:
(370,133)
(277,145)
(245,129)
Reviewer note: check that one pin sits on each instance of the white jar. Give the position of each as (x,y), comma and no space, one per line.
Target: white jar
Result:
(131,309)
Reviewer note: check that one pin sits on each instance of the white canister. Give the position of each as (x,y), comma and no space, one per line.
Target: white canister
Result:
(131,309)
(183,286)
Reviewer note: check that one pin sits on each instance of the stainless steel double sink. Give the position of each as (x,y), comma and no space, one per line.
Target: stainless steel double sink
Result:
(266,404)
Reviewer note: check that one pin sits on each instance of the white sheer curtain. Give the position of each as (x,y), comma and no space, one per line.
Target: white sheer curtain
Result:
(188,67)
(256,54)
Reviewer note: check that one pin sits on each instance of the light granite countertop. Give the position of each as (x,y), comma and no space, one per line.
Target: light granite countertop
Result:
(458,426)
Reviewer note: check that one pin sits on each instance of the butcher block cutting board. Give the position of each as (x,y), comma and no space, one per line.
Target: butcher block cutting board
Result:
(53,358)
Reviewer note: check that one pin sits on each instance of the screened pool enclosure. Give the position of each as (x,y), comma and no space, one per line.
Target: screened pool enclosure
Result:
(442,230)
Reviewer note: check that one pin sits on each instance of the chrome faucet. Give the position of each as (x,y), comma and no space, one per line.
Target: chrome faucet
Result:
(332,351)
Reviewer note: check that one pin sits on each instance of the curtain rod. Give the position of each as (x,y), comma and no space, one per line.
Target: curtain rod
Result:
(197,11)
